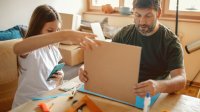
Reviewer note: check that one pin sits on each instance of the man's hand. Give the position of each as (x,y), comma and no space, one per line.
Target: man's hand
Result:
(150,86)
(176,83)
(82,74)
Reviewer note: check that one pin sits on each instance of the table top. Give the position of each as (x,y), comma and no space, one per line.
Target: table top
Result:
(165,102)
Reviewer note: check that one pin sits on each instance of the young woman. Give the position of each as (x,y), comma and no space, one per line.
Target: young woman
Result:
(37,53)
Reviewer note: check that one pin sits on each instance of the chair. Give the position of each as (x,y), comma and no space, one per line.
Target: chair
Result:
(8,74)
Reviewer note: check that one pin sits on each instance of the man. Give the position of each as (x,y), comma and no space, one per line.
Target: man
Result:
(161,56)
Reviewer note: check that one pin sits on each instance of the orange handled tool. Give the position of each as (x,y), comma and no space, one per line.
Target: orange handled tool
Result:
(44,107)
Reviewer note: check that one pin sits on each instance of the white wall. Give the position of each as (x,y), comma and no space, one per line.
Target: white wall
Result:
(16,12)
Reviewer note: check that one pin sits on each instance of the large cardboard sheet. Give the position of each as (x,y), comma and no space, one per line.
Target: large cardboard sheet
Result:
(113,70)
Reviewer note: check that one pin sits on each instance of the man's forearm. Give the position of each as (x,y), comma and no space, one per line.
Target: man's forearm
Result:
(172,85)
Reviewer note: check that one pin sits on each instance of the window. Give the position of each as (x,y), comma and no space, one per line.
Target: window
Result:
(188,9)
(185,5)
(95,5)
(114,3)
(128,3)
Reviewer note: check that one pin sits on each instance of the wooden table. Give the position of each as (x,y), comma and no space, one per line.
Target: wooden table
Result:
(165,102)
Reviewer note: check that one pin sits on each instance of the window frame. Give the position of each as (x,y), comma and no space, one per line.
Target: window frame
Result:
(166,13)
(98,8)
(187,15)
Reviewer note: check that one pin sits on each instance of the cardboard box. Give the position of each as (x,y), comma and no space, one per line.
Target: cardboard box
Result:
(72,54)
(70,21)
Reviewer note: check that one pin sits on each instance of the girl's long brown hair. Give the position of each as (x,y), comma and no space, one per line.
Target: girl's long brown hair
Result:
(41,15)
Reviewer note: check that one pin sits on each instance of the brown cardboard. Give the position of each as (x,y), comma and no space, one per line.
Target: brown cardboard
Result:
(72,54)
(70,21)
(113,70)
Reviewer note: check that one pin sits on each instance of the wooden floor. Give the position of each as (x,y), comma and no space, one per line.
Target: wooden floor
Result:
(191,91)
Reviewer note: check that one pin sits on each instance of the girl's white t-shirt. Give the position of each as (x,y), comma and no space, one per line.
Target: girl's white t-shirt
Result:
(33,73)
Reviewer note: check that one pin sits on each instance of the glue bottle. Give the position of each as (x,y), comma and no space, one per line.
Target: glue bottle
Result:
(147,101)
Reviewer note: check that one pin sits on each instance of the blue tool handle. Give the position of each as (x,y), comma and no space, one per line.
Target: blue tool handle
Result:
(48,97)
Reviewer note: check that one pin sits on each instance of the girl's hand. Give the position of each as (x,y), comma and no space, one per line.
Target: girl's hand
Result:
(85,40)
(58,77)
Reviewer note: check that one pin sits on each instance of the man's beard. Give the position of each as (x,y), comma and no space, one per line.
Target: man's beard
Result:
(145,29)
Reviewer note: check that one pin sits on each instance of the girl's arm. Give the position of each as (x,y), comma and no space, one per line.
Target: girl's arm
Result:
(38,41)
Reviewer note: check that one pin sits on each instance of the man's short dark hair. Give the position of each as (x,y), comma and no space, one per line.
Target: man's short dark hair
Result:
(155,4)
